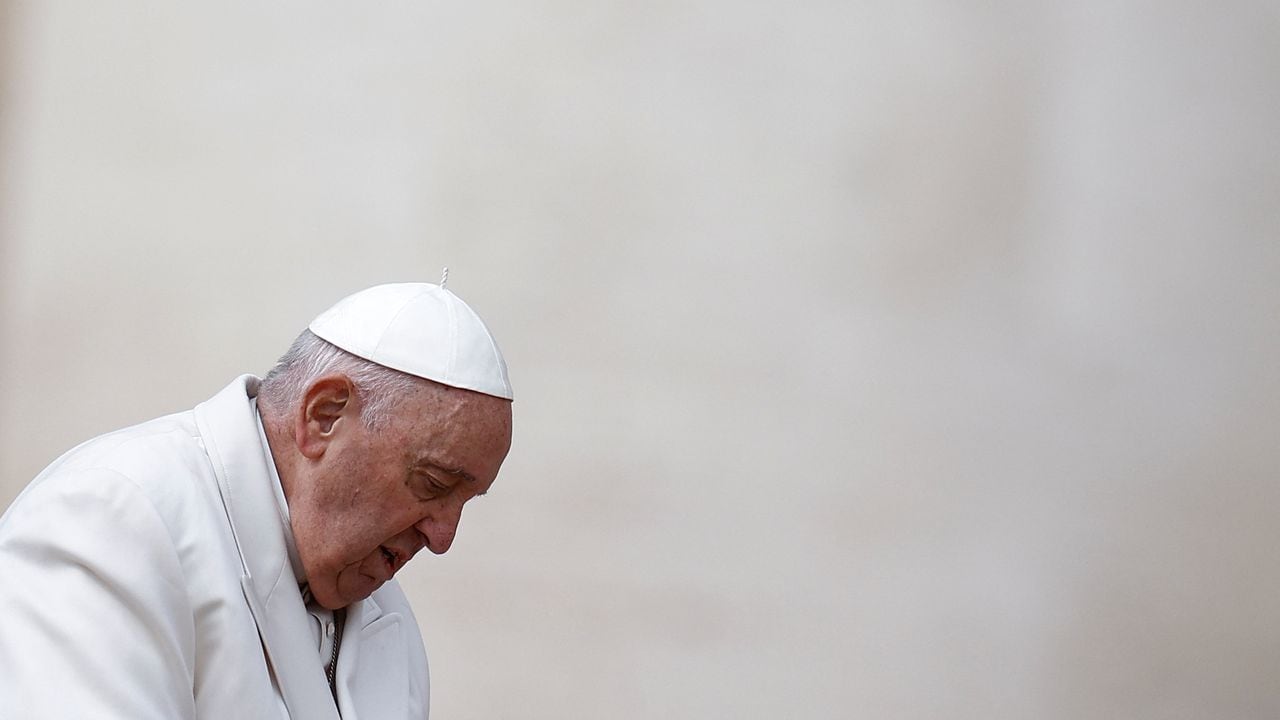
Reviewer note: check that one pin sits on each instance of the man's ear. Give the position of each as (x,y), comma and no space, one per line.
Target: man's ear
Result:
(327,404)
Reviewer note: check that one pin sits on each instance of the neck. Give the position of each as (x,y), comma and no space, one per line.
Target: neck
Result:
(283,453)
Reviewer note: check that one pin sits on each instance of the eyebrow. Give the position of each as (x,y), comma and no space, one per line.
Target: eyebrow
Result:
(459,472)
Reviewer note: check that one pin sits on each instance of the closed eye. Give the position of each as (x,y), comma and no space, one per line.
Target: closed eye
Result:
(426,486)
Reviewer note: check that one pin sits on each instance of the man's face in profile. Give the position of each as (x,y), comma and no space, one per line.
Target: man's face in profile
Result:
(375,497)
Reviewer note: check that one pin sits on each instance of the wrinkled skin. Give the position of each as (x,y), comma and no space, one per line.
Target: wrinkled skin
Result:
(362,502)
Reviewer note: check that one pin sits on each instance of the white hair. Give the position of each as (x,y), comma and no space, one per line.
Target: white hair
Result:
(311,357)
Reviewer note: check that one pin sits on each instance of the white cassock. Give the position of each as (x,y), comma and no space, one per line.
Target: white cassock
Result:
(146,575)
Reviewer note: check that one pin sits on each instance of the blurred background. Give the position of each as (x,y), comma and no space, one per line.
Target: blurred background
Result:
(885,360)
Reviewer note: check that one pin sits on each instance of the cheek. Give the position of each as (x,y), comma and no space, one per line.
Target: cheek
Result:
(374,503)
(376,509)
(345,538)
(390,520)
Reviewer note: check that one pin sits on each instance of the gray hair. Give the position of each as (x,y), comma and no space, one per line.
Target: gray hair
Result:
(311,357)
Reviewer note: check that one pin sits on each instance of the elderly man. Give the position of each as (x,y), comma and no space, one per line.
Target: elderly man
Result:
(236,561)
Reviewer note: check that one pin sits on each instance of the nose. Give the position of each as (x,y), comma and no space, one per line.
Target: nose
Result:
(439,529)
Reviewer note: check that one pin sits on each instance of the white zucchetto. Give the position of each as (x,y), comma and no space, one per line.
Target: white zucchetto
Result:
(421,329)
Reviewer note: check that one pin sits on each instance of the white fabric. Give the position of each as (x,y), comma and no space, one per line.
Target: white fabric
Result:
(323,627)
(144,575)
(421,329)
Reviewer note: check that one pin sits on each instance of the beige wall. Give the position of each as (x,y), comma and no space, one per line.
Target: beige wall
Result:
(894,360)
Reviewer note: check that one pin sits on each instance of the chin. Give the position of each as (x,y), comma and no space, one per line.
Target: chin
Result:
(330,603)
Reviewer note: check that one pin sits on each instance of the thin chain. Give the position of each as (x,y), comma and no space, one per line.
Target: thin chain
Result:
(339,618)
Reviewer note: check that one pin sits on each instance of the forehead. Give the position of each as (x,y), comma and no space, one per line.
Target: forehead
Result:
(454,430)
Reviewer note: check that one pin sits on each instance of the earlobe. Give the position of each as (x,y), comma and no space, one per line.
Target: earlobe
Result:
(325,403)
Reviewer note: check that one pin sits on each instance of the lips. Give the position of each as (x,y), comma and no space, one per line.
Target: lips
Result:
(397,552)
